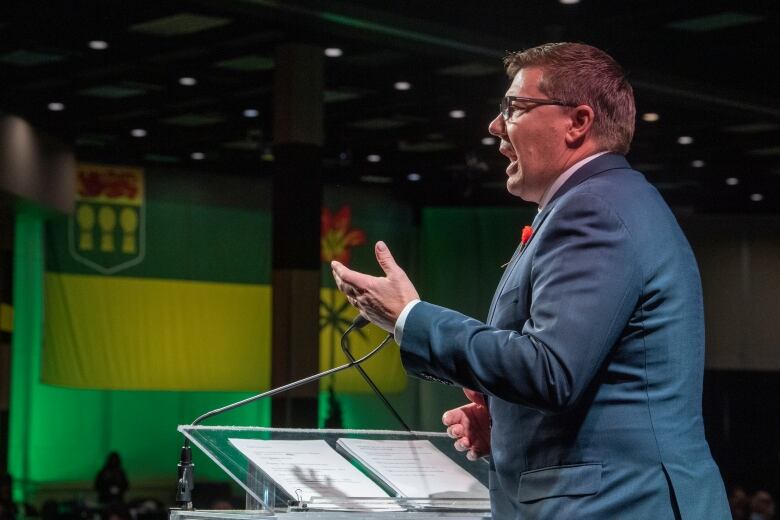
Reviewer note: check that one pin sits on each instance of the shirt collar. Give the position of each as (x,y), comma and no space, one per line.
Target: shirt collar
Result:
(548,194)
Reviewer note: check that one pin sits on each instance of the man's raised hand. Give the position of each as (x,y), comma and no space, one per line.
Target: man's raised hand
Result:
(380,299)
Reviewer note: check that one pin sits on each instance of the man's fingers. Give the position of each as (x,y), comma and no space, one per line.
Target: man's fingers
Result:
(456,431)
(385,258)
(474,397)
(359,281)
(451,417)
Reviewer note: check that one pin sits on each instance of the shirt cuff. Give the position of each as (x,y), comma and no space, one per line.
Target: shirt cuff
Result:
(399,323)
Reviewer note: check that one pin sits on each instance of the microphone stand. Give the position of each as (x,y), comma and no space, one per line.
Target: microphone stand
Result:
(186,469)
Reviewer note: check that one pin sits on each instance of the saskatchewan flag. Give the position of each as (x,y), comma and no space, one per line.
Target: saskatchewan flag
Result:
(149,286)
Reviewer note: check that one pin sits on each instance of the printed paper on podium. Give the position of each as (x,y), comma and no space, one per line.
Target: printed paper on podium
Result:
(311,468)
(415,468)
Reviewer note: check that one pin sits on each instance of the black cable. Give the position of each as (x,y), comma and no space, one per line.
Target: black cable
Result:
(345,349)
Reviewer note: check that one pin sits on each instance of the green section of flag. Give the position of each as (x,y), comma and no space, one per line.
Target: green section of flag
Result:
(181,240)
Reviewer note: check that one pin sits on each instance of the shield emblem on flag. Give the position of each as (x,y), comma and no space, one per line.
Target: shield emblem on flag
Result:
(107,229)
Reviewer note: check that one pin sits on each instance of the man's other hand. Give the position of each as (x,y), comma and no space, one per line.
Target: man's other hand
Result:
(379,299)
(470,425)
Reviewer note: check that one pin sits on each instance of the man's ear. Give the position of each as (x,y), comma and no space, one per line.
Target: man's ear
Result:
(580,125)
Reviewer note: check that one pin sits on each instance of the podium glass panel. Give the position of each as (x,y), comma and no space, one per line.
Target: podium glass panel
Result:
(320,494)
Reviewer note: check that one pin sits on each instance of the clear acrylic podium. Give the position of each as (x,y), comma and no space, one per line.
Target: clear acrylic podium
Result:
(264,499)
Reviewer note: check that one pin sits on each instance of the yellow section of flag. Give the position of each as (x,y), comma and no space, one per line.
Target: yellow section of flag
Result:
(153,334)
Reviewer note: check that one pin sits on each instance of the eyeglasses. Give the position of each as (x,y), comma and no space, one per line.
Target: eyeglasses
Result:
(508,110)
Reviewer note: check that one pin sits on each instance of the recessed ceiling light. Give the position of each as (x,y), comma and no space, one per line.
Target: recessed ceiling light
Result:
(402,85)
(138,132)
(98,45)
(56,106)
(414,177)
(333,52)
(488,141)
(373,158)
(732,181)
(756,197)
(569,2)
(251,112)
(685,139)
(698,163)
(187,81)
(650,117)
(457,114)
(198,156)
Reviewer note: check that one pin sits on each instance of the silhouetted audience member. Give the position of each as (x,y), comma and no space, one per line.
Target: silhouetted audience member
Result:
(762,506)
(739,503)
(111,482)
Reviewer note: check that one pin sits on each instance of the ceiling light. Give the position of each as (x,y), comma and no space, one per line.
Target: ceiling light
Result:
(187,81)
(732,181)
(402,85)
(251,112)
(138,132)
(198,156)
(569,2)
(414,177)
(98,45)
(698,163)
(488,141)
(685,139)
(457,114)
(650,117)
(373,158)
(756,197)
(56,106)
(333,52)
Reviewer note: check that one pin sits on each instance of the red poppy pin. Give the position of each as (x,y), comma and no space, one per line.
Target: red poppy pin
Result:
(528,231)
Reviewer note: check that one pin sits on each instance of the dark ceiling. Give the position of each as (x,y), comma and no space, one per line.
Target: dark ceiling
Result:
(708,69)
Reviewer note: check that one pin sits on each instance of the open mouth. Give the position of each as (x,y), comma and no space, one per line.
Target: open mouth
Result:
(509,152)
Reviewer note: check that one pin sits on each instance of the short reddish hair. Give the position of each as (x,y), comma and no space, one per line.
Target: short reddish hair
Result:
(582,74)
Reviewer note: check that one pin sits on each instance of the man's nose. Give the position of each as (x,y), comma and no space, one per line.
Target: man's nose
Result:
(496,126)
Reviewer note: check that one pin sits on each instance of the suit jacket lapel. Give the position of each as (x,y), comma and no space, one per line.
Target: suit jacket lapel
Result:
(609,161)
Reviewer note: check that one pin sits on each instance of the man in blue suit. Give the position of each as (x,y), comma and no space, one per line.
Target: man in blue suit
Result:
(586,378)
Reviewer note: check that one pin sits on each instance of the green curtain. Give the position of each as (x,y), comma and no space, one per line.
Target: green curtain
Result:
(25,342)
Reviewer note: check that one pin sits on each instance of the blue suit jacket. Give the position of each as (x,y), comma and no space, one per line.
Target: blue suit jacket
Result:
(592,358)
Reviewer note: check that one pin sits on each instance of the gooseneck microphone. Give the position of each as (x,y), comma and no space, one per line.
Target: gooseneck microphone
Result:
(186,469)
